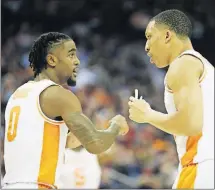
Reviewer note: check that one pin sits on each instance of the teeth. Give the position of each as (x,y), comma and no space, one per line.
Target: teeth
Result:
(151,60)
(76,70)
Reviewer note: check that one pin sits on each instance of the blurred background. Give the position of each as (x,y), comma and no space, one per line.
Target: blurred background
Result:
(109,35)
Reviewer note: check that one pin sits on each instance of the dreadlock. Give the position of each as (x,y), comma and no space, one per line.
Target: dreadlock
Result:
(176,21)
(40,48)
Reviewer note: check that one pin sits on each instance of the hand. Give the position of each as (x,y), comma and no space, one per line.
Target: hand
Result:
(121,121)
(138,109)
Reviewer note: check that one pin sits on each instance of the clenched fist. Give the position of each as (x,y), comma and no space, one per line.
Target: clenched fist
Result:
(121,121)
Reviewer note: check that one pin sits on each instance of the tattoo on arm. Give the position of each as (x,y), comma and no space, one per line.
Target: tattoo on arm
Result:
(95,141)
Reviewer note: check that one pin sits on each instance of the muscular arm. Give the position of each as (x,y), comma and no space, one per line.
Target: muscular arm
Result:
(72,142)
(93,140)
(57,101)
(183,79)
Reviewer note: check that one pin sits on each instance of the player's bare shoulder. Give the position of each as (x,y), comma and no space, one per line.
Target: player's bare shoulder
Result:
(55,100)
(184,69)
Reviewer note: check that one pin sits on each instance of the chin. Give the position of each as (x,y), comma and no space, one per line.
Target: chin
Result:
(160,66)
(163,66)
(71,82)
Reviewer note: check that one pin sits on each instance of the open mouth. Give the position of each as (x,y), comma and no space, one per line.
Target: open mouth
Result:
(150,57)
(75,72)
(151,61)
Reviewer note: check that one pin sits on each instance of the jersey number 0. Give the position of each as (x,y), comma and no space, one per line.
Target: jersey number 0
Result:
(13,123)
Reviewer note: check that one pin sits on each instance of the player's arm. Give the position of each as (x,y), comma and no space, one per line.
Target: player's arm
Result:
(72,142)
(57,101)
(183,80)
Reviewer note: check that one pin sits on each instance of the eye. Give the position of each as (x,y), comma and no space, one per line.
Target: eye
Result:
(72,55)
(149,37)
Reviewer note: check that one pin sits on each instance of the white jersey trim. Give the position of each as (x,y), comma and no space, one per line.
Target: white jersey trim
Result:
(202,75)
(52,121)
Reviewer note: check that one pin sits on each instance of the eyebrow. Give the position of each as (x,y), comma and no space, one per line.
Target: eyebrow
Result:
(73,49)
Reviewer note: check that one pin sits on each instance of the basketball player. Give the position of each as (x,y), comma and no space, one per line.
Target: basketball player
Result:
(81,170)
(189,98)
(40,112)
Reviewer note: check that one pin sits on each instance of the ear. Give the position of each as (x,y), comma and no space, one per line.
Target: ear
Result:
(168,36)
(51,60)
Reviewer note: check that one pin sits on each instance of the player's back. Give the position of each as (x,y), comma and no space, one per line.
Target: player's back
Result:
(34,144)
(198,148)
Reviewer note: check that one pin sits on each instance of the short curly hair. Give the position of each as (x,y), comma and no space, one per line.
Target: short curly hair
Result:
(40,48)
(176,20)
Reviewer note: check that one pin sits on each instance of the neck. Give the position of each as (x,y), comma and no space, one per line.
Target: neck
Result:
(179,47)
(48,74)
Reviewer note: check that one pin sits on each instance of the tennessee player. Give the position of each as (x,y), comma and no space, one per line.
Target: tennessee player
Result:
(189,98)
(40,112)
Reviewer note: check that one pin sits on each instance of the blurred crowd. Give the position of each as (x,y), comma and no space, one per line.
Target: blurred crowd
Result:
(110,39)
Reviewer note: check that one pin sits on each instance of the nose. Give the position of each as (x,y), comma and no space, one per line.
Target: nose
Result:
(77,62)
(147,47)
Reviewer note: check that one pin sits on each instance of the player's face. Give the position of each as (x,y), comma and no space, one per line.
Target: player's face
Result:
(156,45)
(68,62)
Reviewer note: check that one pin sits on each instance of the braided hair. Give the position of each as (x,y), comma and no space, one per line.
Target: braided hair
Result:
(41,47)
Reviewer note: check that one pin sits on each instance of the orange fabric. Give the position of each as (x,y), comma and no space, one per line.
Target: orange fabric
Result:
(80,179)
(44,186)
(191,150)
(187,177)
(13,123)
(49,157)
